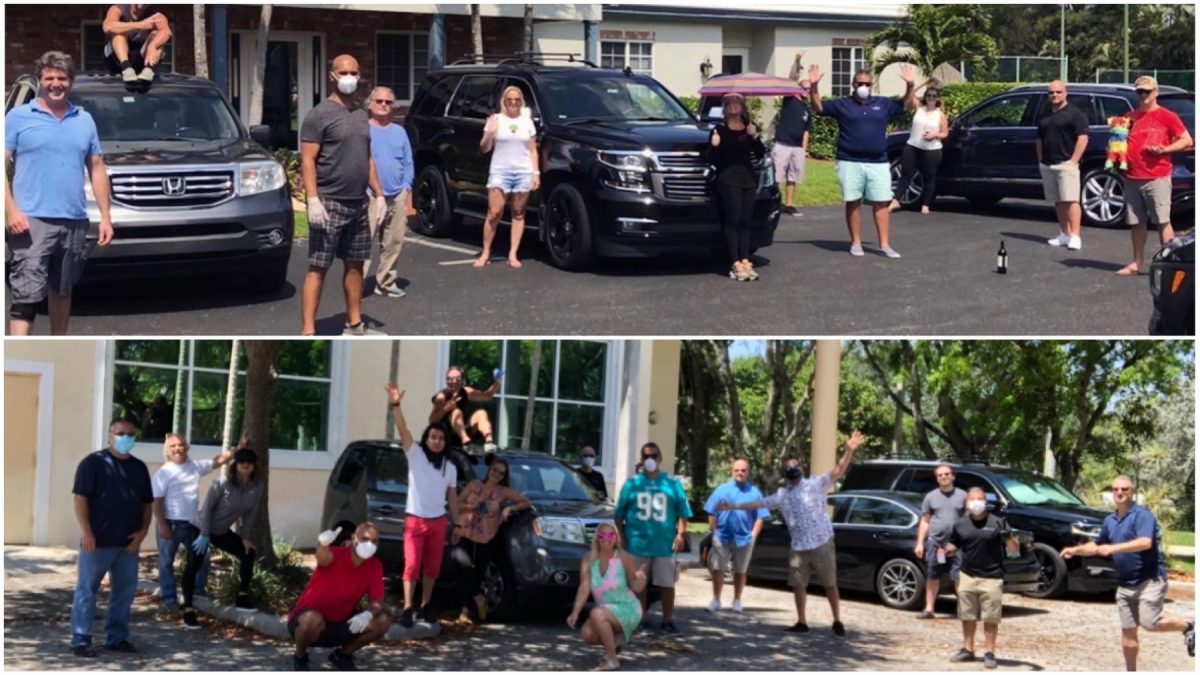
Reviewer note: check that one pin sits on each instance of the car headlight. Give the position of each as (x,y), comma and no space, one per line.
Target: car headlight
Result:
(1089,530)
(259,177)
(569,530)
(624,161)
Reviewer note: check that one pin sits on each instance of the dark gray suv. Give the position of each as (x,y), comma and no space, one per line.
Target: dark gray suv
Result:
(193,191)
(542,549)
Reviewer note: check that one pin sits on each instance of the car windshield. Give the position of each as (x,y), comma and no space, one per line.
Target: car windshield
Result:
(544,480)
(614,97)
(1184,107)
(164,118)
(1029,488)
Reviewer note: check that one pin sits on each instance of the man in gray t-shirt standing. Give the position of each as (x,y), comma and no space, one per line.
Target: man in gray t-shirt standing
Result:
(940,509)
(336,165)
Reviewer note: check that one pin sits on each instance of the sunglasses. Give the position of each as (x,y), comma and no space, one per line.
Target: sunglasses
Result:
(514,101)
(1057,91)
(607,536)
(1117,489)
(1144,92)
(388,101)
(129,435)
(862,84)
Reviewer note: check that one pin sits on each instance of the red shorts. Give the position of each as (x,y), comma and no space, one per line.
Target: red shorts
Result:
(424,542)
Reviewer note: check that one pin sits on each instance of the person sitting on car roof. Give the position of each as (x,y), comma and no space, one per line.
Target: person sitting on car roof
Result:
(136,37)
(452,414)
(511,137)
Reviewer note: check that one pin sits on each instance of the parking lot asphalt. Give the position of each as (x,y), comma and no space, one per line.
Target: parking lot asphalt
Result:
(1079,633)
(944,285)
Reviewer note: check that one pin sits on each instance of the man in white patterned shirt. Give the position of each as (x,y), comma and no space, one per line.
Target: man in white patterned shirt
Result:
(802,503)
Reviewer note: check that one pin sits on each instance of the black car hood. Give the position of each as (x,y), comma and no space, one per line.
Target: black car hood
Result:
(624,135)
(165,154)
(577,509)
(1064,512)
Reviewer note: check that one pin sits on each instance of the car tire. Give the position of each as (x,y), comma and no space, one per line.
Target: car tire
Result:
(431,200)
(567,228)
(1052,580)
(983,201)
(270,279)
(500,590)
(1102,198)
(900,584)
(911,196)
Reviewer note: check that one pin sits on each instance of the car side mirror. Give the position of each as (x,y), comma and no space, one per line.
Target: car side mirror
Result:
(261,134)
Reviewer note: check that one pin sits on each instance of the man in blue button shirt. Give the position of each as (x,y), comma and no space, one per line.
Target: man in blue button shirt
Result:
(394,164)
(862,164)
(734,533)
(1131,537)
(49,144)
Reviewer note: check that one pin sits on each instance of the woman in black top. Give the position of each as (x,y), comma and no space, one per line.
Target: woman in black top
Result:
(735,145)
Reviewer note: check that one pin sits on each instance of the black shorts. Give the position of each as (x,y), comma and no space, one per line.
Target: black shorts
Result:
(137,57)
(334,635)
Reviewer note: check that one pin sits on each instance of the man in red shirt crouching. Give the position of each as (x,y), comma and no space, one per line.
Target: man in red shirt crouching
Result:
(1156,133)
(325,615)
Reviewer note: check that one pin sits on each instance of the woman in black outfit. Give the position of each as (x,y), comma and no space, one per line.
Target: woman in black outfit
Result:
(735,145)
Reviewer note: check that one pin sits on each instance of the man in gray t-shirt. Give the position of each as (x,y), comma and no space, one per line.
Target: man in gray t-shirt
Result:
(336,165)
(940,509)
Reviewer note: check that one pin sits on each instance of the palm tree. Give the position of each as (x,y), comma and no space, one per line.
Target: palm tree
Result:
(528,33)
(200,40)
(476,33)
(260,66)
(935,35)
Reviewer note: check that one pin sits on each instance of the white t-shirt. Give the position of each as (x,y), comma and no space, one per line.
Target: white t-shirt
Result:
(510,152)
(924,119)
(179,486)
(427,485)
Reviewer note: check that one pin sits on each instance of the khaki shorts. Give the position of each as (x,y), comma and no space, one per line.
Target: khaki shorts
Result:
(721,554)
(820,562)
(1148,201)
(979,599)
(789,163)
(661,572)
(1141,605)
(1060,182)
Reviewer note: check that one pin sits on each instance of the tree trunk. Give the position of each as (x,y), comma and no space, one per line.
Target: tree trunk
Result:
(261,381)
(698,380)
(476,33)
(393,375)
(531,401)
(177,417)
(528,42)
(718,355)
(230,395)
(200,40)
(260,66)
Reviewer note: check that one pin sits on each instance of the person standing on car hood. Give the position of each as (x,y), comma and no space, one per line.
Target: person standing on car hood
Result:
(336,164)
(1062,138)
(940,509)
(1132,538)
(803,505)
(1156,133)
(50,145)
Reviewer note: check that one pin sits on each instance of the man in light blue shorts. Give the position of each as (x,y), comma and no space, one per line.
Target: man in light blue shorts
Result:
(862,164)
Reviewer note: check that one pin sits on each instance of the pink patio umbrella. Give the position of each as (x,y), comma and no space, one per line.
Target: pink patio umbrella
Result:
(750,84)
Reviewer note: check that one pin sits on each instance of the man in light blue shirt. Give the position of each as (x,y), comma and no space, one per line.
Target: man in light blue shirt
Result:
(734,533)
(49,144)
(394,163)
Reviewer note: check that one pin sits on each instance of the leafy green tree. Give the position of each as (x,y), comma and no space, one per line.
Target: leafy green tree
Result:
(932,35)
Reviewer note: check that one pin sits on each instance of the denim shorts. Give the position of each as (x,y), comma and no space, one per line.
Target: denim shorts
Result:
(511,181)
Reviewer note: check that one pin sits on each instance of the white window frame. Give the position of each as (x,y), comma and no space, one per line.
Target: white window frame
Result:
(857,62)
(101,67)
(625,54)
(282,458)
(413,83)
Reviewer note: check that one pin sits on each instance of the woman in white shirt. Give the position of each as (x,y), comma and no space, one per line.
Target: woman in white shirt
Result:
(924,149)
(511,137)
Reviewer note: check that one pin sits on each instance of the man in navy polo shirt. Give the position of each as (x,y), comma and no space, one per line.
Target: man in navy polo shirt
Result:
(49,143)
(862,163)
(1132,538)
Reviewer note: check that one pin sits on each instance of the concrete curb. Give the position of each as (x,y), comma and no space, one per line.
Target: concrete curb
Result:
(276,626)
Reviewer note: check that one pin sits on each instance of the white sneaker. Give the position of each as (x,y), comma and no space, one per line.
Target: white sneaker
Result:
(1074,243)
(856,250)
(714,605)
(1060,240)
(737,606)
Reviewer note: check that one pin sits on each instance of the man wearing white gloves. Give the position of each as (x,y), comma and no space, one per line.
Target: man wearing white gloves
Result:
(336,165)
(325,615)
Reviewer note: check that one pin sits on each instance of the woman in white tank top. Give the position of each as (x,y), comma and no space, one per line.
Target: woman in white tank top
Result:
(923,152)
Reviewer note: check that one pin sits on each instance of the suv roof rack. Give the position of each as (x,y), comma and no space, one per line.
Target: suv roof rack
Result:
(521,58)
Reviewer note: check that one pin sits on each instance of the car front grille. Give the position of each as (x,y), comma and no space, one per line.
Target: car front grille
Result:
(172,189)
(682,176)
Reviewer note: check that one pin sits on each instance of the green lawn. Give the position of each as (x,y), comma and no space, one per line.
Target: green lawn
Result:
(1180,538)
(820,186)
(697,528)
(1185,565)
(301,225)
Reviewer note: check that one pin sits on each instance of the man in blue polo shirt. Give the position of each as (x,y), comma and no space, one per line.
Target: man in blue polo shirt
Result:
(734,533)
(394,164)
(862,163)
(49,143)
(1132,538)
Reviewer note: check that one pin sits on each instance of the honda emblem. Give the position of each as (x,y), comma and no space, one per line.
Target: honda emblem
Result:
(174,186)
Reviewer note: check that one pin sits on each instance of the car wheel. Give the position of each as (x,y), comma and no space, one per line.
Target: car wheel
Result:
(900,583)
(431,201)
(1052,579)
(568,229)
(500,591)
(983,201)
(270,279)
(1103,198)
(911,196)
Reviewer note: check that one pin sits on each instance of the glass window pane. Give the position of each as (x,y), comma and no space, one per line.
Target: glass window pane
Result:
(391,471)
(581,375)
(208,408)
(478,358)
(146,395)
(514,410)
(307,358)
(519,368)
(213,354)
(579,425)
(300,415)
(151,351)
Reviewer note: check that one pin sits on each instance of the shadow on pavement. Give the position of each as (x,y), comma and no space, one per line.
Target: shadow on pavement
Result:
(1085,264)
(115,298)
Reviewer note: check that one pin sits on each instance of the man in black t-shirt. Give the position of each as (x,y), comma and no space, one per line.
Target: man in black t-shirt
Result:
(792,127)
(980,538)
(593,477)
(1062,137)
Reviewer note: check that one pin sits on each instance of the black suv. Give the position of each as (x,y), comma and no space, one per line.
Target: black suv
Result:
(991,154)
(193,191)
(542,549)
(1055,516)
(624,166)
(1173,287)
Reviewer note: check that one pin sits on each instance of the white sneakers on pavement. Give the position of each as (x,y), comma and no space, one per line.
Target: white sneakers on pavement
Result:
(1072,243)
(737,606)
(714,605)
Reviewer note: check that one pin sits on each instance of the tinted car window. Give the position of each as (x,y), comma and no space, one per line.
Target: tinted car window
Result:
(839,505)
(352,469)
(870,477)
(548,480)
(1005,112)
(475,98)
(1112,106)
(871,511)
(391,471)
(165,117)
(437,97)
(612,97)
(967,480)
(917,479)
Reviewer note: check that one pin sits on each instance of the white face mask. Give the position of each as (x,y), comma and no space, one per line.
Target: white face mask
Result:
(863,91)
(364,549)
(347,85)
(589,461)
(976,506)
(650,465)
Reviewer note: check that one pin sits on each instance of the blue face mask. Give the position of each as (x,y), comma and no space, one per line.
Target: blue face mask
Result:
(124,444)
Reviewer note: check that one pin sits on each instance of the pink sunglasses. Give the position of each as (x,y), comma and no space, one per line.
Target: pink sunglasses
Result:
(607,536)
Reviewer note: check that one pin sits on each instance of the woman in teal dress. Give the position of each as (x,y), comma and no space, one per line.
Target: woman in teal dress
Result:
(609,575)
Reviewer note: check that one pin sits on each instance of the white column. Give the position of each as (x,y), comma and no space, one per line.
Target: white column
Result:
(825,407)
